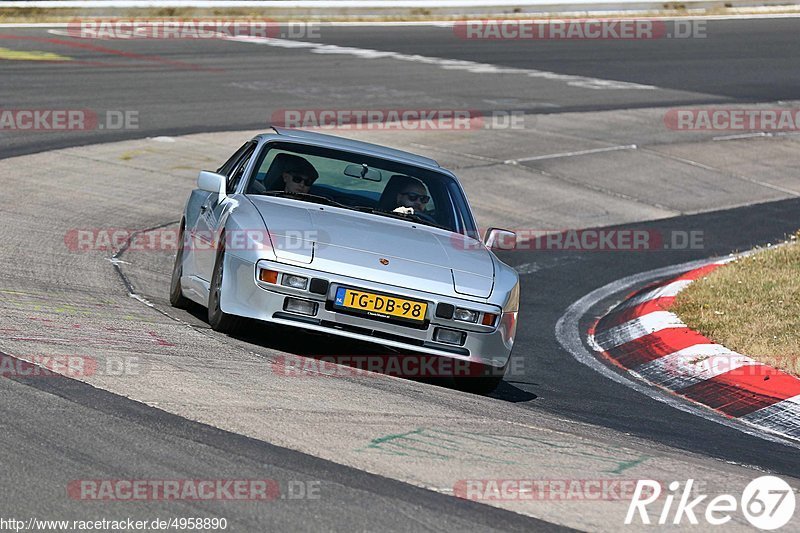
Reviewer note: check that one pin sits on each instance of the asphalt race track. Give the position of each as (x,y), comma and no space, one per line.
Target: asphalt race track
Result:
(195,86)
(385,453)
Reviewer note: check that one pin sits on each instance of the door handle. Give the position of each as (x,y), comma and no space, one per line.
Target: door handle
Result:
(203,208)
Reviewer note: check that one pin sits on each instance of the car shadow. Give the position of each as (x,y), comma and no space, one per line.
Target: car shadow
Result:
(330,352)
(508,392)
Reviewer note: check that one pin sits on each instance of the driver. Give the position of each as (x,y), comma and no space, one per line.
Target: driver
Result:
(412,194)
(298,174)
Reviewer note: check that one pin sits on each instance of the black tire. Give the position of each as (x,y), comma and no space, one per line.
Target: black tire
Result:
(176,297)
(480,379)
(217,319)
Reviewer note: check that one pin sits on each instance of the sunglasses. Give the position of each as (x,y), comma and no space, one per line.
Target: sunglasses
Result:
(423,198)
(297,178)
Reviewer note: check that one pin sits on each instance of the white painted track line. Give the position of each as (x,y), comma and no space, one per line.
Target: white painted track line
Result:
(575,153)
(446,64)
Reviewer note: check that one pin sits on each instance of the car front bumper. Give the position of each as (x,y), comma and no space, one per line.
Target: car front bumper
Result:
(244,295)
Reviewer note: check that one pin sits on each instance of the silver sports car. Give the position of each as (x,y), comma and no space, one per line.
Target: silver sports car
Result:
(352,239)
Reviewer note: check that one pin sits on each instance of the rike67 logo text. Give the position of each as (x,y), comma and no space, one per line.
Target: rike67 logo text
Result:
(767,502)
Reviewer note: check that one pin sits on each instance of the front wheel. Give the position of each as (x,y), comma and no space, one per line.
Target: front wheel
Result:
(217,319)
(480,378)
(176,297)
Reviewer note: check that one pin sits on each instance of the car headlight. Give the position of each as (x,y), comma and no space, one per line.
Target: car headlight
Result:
(465,315)
(295,282)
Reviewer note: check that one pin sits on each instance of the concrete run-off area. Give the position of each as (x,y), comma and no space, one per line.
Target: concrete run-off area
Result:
(557,172)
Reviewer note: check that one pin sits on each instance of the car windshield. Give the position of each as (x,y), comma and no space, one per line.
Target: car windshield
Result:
(363,183)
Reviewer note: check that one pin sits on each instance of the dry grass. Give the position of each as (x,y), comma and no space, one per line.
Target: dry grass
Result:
(751,306)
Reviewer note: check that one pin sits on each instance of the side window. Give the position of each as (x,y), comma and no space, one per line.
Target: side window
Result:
(463,221)
(226,168)
(237,171)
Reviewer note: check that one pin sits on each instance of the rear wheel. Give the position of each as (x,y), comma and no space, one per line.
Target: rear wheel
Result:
(176,297)
(217,319)
(480,378)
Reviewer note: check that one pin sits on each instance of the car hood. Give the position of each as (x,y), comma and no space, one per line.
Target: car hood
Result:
(375,248)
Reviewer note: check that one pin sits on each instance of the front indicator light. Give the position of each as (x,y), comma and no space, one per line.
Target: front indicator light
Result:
(295,282)
(268,276)
(449,336)
(489,319)
(301,307)
(465,315)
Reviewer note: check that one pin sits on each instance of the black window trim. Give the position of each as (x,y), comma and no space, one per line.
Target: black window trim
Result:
(240,165)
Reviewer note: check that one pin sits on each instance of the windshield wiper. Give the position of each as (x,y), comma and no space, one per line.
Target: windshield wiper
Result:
(315,198)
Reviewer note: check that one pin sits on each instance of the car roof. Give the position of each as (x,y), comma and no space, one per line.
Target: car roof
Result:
(353,146)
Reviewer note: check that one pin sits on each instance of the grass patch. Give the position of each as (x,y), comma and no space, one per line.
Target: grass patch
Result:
(751,306)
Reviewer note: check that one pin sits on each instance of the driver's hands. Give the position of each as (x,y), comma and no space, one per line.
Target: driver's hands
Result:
(404,210)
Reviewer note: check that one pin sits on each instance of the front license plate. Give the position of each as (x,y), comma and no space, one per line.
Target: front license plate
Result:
(380,305)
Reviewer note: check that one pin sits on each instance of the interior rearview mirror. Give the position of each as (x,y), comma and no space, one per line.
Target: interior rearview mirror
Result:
(363,172)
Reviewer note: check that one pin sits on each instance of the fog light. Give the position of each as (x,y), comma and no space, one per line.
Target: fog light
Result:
(295,282)
(488,319)
(449,336)
(268,276)
(302,307)
(465,315)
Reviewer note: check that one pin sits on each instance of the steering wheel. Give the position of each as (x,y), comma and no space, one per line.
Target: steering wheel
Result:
(426,217)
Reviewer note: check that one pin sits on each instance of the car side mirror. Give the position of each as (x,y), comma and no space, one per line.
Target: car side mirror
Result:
(502,239)
(212,182)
